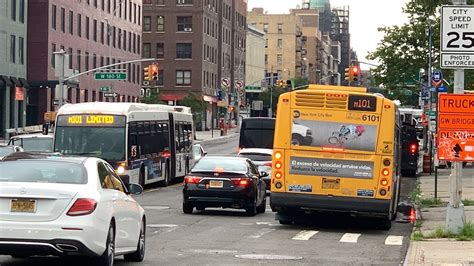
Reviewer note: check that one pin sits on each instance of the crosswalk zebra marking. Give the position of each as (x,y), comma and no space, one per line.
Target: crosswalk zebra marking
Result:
(305,235)
(394,240)
(349,238)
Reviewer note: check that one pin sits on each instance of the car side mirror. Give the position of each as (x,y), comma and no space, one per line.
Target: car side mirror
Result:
(263,174)
(135,189)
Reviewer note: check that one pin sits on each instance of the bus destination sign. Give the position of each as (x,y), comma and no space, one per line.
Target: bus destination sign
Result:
(362,103)
(91,120)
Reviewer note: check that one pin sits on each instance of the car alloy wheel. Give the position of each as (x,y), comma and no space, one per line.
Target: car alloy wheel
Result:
(107,259)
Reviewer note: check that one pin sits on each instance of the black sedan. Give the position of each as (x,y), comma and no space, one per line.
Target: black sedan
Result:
(228,182)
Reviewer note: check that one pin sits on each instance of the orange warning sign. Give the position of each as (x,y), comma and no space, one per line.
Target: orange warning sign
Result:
(456,103)
(456,121)
(456,145)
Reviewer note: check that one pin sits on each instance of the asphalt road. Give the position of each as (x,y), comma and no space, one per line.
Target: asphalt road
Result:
(228,237)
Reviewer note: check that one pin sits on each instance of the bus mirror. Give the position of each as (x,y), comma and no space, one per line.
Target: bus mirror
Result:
(263,174)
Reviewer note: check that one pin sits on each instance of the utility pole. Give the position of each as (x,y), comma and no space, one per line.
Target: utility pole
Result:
(232,63)
(455,216)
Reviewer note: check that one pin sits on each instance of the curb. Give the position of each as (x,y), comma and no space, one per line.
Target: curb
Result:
(206,141)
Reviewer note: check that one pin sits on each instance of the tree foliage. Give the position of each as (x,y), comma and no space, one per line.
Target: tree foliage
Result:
(197,106)
(403,51)
(152,98)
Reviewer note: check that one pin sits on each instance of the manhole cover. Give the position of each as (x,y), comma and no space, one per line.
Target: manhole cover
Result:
(156,208)
(267,257)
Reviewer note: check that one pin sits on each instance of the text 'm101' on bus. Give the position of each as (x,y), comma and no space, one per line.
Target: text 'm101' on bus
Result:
(350,162)
(257,132)
(146,143)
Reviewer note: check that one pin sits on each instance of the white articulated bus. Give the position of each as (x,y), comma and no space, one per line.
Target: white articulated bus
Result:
(147,142)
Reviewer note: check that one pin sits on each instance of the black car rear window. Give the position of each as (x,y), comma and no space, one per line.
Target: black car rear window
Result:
(212,164)
(42,171)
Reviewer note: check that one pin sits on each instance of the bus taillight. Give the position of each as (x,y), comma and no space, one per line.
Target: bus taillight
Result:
(384,182)
(278,175)
(278,165)
(278,155)
(385,172)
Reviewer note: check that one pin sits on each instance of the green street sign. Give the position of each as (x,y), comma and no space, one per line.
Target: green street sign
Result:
(105,89)
(431,113)
(110,76)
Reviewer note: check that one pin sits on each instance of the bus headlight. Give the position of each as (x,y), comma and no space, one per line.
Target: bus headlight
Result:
(120,169)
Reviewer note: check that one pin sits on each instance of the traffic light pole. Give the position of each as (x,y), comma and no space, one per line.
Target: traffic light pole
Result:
(63,79)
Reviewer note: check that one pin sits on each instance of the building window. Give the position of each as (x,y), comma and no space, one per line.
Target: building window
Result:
(21,50)
(71,22)
(161,76)
(160,24)
(279,59)
(53,49)
(265,27)
(102,32)
(160,50)
(185,24)
(119,40)
(103,5)
(12,48)
(53,17)
(184,50)
(114,36)
(87,28)
(95,3)
(108,6)
(280,28)
(94,61)
(79,60)
(146,50)
(280,43)
(94,30)
(86,63)
(266,43)
(266,59)
(69,51)
(124,40)
(79,25)
(63,19)
(22,11)
(160,2)
(130,11)
(13,10)
(184,2)
(147,24)
(147,2)
(183,77)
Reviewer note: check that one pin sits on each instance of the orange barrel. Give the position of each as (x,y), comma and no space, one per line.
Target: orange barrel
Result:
(426,164)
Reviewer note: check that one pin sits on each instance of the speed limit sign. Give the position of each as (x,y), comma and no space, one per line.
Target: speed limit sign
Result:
(457,37)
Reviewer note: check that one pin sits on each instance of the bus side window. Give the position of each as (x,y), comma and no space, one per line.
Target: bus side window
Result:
(166,135)
(133,141)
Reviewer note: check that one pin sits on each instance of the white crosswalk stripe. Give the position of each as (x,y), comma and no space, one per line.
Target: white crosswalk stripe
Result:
(394,240)
(304,235)
(261,233)
(349,238)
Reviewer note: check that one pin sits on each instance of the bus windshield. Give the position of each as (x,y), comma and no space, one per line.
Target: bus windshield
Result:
(257,133)
(97,136)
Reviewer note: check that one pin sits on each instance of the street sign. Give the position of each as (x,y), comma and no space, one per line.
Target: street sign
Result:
(110,94)
(457,37)
(431,113)
(456,127)
(425,93)
(105,89)
(110,76)
(437,78)
(225,82)
(239,84)
(443,89)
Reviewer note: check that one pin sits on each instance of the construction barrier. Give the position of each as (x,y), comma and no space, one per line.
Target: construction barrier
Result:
(426,164)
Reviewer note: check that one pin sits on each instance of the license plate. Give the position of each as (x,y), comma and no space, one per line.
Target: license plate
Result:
(23,205)
(216,184)
(331,183)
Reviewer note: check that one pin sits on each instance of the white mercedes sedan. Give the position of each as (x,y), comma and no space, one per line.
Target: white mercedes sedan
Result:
(53,205)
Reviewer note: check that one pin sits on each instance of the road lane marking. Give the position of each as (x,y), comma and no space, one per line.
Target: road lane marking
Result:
(162,225)
(349,238)
(261,233)
(156,208)
(267,257)
(394,240)
(304,235)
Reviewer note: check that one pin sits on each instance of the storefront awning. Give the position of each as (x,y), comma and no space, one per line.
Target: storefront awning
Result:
(172,96)
(210,99)
(6,80)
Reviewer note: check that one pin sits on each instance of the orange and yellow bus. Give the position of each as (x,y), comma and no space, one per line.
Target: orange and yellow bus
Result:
(336,149)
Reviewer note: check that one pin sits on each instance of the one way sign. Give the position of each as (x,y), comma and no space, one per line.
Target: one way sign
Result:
(110,94)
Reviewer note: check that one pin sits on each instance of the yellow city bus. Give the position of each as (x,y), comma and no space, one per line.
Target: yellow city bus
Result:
(336,149)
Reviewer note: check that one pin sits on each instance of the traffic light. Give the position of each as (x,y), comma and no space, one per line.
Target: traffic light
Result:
(348,74)
(154,72)
(146,73)
(355,73)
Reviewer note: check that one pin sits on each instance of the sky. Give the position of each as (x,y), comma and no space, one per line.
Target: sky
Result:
(365,17)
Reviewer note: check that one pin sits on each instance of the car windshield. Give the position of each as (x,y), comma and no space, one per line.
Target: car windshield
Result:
(107,143)
(42,171)
(37,144)
(257,157)
(213,164)
(5,151)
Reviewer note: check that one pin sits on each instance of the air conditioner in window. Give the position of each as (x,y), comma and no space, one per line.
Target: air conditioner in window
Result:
(188,29)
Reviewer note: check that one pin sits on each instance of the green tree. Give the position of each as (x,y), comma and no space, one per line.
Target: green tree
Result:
(197,105)
(404,49)
(152,98)
(273,93)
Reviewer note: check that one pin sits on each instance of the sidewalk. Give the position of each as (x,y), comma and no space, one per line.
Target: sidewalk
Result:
(442,251)
(203,137)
